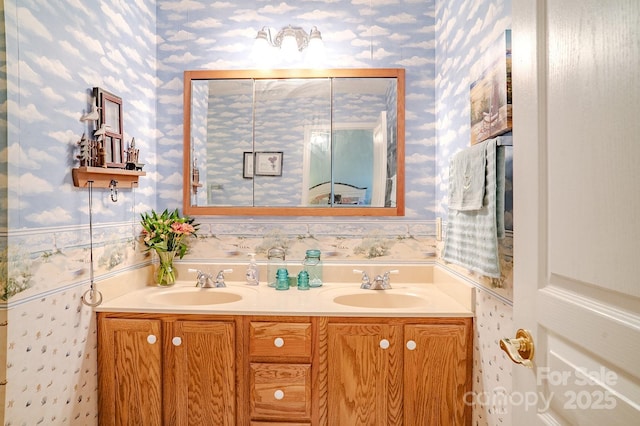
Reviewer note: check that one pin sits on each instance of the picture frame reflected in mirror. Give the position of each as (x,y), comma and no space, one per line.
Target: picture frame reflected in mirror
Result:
(268,163)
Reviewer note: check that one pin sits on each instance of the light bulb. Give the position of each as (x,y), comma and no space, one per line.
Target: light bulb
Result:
(316,54)
(289,45)
(262,49)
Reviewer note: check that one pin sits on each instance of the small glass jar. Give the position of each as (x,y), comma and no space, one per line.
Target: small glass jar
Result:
(303,280)
(275,261)
(313,265)
(282,279)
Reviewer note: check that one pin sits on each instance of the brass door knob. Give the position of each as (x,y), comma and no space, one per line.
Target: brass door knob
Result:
(520,349)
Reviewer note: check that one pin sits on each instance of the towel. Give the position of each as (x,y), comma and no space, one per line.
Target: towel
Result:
(472,235)
(467,178)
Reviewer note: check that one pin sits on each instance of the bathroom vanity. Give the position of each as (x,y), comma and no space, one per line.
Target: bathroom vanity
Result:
(285,358)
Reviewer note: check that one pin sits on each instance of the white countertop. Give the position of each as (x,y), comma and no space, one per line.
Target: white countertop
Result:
(427,300)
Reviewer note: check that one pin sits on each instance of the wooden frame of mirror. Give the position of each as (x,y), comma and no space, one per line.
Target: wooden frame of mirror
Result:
(188,184)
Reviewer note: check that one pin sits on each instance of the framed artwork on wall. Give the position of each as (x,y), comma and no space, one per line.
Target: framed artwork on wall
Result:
(268,163)
(490,91)
(110,132)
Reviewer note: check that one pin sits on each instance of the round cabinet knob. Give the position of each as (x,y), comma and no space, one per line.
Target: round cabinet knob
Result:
(177,341)
(411,345)
(278,342)
(384,344)
(278,394)
(152,339)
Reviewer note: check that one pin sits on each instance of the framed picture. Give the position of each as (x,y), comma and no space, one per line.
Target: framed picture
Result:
(490,91)
(110,127)
(268,164)
(247,165)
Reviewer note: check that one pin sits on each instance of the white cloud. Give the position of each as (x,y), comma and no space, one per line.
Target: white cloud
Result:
(415,61)
(340,35)
(373,2)
(402,18)
(27,20)
(49,217)
(27,74)
(417,159)
(248,15)
(64,136)
(377,54)
(170,99)
(30,184)
(54,66)
(175,84)
(182,5)
(132,54)
(70,49)
(27,113)
(85,41)
(173,179)
(120,25)
(205,23)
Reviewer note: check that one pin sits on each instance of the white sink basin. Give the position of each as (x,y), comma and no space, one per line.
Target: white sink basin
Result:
(380,299)
(194,296)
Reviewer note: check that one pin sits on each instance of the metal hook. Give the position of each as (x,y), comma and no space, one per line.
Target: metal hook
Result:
(114,190)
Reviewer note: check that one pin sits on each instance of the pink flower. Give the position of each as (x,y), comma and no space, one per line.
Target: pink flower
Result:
(182,228)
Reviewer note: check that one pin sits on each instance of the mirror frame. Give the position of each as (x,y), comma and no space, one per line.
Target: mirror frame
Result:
(398,210)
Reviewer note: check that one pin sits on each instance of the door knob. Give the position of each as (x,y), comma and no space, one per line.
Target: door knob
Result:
(520,349)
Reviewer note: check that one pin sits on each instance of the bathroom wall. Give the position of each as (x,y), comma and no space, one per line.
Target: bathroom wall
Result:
(464,29)
(56,52)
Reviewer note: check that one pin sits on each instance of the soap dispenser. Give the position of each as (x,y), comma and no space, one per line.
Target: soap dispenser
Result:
(253,273)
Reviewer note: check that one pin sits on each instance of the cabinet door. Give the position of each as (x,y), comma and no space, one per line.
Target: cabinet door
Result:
(437,374)
(364,374)
(129,364)
(200,367)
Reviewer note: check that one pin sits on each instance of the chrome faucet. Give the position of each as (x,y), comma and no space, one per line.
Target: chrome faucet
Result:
(380,282)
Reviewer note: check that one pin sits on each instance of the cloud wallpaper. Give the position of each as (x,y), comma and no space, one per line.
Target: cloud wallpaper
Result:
(55,52)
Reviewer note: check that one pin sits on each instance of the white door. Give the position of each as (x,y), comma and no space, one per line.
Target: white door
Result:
(379,161)
(576,109)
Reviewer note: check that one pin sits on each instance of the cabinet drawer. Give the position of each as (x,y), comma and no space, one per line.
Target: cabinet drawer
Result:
(280,391)
(283,340)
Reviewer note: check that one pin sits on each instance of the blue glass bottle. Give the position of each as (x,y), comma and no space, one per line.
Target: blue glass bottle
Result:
(282,279)
(303,280)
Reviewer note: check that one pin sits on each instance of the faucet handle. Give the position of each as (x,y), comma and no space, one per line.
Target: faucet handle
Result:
(202,279)
(386,279)
(220,277)
(366,282)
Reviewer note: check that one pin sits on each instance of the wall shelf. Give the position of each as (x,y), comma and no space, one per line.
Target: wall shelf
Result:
(102,177)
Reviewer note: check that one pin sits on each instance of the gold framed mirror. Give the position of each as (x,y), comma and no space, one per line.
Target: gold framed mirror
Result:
(294,142)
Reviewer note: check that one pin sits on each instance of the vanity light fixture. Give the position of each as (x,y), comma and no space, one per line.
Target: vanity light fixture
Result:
(290,41)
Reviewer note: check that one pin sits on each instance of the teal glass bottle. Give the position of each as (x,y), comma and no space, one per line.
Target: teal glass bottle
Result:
(313,265)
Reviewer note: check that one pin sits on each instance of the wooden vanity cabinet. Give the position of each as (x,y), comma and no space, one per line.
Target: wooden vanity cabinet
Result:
(280,351)
(130,371)
(168,369)
(398,371)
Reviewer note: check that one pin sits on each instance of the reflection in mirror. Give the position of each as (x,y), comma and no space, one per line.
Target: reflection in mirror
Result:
(293,142)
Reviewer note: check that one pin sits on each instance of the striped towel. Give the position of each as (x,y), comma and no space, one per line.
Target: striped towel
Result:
(472,235)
